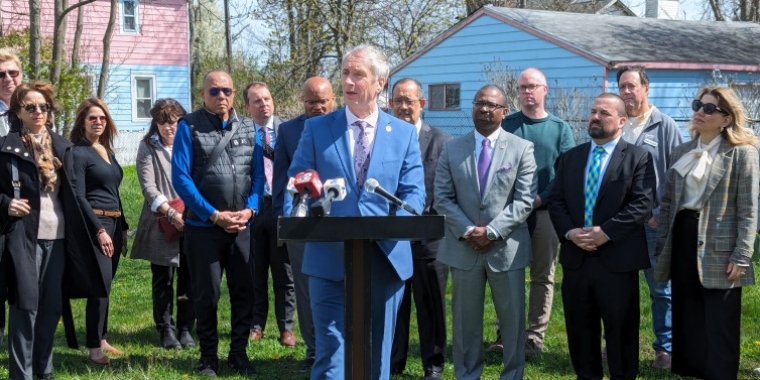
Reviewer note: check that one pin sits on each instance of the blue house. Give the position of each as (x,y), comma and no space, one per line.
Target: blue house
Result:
(580,55)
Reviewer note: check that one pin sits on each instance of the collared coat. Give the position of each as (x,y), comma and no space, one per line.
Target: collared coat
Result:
(728,219)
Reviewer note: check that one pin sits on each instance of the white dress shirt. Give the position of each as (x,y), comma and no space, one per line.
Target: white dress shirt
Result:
(353,131)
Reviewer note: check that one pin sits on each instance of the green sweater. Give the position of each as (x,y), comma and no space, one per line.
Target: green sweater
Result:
(551,136)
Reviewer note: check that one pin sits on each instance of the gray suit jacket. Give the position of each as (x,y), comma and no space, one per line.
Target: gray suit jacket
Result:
(506,205)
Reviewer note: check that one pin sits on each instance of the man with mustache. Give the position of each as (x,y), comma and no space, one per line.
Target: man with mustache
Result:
(485,186)
(656,132)
(428,283)
(599,217)
(318,99)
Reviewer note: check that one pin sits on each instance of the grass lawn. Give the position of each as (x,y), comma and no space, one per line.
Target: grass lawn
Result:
(131,329)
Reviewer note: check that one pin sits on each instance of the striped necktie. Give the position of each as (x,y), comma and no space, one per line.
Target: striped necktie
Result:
(592,186)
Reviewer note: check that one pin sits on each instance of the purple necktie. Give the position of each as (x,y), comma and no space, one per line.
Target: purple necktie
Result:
(361,153)
(484,162)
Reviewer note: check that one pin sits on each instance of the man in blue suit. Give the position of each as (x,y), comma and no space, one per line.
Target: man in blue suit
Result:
(318,99)
(358,142)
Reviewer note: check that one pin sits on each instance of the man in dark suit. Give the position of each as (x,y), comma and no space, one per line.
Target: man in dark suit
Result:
(266,253)
(358,142)
(428,283)
(599,217)
(318,99)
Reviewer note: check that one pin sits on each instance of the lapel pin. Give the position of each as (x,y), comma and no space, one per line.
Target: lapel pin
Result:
(388,128)
(16,150)
(26,154)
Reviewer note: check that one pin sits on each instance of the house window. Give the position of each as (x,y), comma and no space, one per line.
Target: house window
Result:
(443,96)
(129,15)
(143,96)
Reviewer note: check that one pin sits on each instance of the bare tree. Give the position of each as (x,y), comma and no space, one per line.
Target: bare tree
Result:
(77,37)
(103,80)
(60,11)
(34,38)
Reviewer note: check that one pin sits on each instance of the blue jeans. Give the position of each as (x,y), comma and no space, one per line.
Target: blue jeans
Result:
(659,293)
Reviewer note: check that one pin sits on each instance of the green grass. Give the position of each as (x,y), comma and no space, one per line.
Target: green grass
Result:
(131,329)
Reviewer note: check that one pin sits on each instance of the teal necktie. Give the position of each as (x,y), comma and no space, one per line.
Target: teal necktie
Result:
(592,186)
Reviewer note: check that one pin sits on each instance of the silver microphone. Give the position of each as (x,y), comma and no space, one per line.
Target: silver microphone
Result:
(372,186)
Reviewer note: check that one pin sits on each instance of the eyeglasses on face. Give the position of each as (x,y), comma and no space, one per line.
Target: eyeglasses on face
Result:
(708,107)
(528,87)
(30,108)
(93,119)
(214,91)
(401,101)
(9,74)
(487,105)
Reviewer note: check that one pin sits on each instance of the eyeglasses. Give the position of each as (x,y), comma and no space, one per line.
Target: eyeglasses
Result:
(93,119)
(30,108)
(487,105)
(214,91)
(401,102)
(708,107)
(9,74)
(529,87)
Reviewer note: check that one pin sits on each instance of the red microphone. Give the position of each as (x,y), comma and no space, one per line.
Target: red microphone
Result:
(308,184)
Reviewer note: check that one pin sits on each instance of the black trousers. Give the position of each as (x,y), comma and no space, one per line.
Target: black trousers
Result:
(428,285)
(211,251)
(591,294)
(96,312)
(163,295)
(266,255)
(706,322)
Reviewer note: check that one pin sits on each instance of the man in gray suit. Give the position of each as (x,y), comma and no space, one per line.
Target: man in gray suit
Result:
(485,186)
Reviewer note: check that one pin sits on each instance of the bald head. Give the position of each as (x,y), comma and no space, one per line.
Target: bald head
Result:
(317,96)
(532,92)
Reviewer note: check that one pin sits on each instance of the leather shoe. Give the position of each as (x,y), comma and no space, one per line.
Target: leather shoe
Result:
(46,376)
(112,350)
(662,360)
(207,367)
(287,339)
(241,364)
(186,339)
(433,375)
(256,334)
(497,345)
(306,364)
(169,339)
(104,360)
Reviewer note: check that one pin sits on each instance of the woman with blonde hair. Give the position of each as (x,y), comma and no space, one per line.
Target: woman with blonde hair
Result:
(39,219)
(98,176)
(706,232)
(167,261)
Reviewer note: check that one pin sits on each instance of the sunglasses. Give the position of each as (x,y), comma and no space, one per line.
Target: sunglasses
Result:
(214,91)
(30,108)
(9,74)
(93,119)
(708,107)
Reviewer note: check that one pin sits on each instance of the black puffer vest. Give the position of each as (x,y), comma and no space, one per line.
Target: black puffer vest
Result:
(227,183)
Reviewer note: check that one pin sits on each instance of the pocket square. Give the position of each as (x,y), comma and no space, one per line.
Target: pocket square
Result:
(504,169)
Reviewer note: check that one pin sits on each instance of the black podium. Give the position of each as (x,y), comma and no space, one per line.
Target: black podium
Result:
(358,234)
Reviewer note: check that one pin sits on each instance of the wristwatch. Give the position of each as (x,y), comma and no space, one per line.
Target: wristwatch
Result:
(491,235)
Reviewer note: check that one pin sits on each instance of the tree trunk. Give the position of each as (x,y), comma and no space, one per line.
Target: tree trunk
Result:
(103,81)
(228,35)
(77,37)
(34,38)
(717,12)
(58,40)
(474,5)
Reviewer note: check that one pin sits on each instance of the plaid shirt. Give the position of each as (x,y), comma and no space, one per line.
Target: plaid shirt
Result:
(728,219)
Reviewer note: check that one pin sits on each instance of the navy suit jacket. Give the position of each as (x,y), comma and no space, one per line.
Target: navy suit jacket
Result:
(395,163)
(287,142)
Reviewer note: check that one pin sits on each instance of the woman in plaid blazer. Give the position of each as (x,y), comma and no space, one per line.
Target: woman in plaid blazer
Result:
(706,233)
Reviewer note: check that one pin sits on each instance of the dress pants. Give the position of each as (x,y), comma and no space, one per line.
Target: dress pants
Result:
(545,245)
(468,297)
(303,301)
(592,293)
(30,332)
(210,251)
(659,293)
(96,312)
(706,322)
(266,255)
(163,296)
(428,285)
(328,305)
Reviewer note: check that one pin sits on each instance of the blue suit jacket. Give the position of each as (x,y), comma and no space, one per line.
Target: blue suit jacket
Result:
(395,163)
(287,142)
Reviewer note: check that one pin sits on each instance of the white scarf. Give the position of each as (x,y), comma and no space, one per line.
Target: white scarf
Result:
(696,162)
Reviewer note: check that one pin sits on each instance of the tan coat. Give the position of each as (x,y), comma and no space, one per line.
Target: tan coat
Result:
(154,174)
(728,219)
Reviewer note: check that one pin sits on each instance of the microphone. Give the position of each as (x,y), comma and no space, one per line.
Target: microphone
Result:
(308,185)
(291,188)
(335,190)
(372,186)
